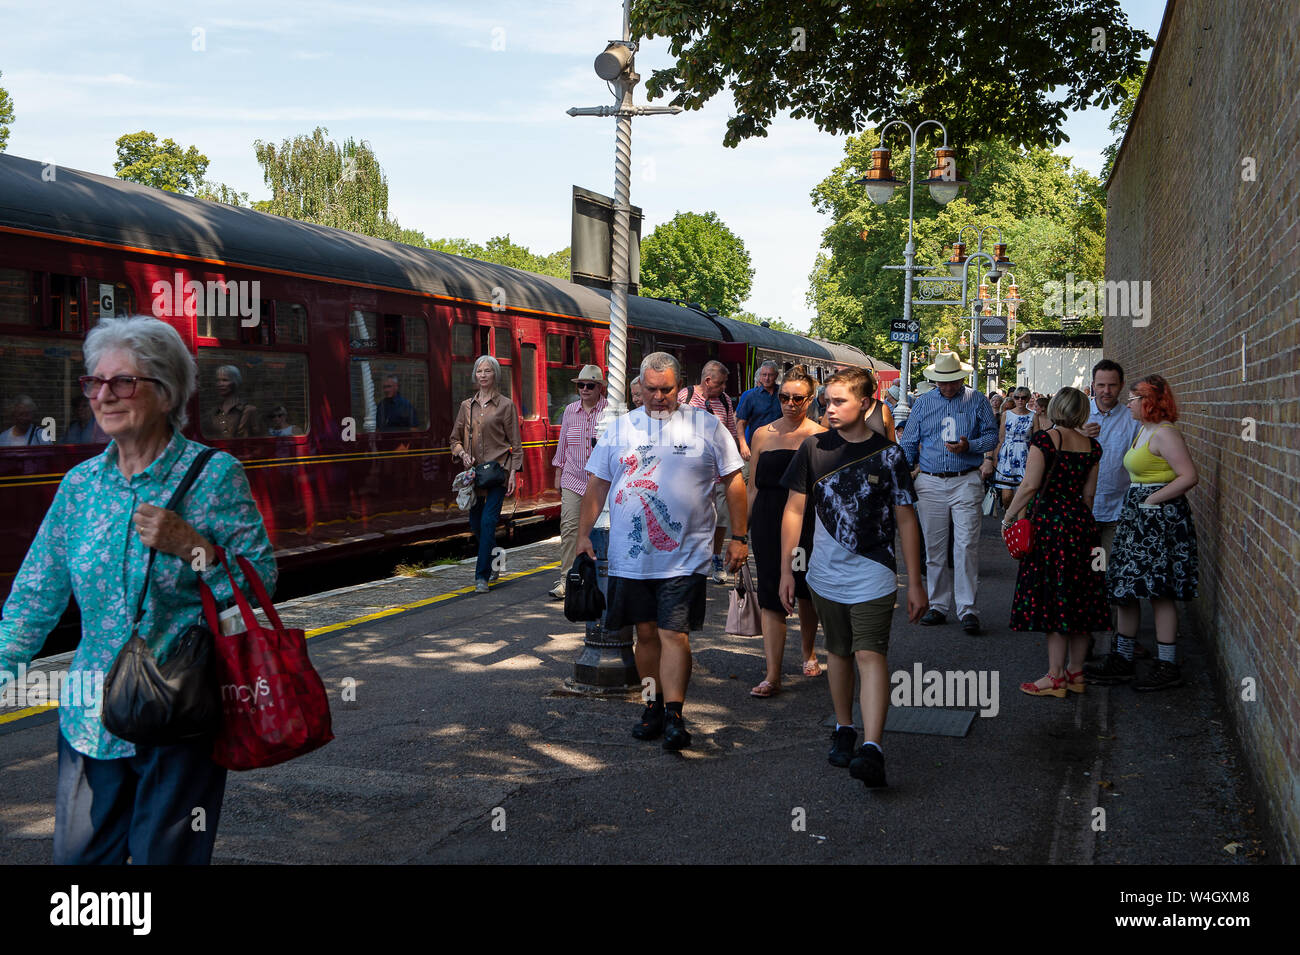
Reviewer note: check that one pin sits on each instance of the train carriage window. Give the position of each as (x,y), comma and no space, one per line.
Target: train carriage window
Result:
(39,394)
(417,335)
(462,340)
(109,297)
(528,372)
(553,348)
(390,394)
(501,344)
(65,306)
(463,384)
(584,351)
(290,323)
(252,394)
(16,297)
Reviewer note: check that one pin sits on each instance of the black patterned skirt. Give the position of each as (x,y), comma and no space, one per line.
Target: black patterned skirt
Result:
(1154,553)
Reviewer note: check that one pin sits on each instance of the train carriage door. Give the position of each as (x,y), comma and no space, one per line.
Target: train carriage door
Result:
(537,483)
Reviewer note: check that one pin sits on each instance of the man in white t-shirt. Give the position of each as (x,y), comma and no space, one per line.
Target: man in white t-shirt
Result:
(656,466)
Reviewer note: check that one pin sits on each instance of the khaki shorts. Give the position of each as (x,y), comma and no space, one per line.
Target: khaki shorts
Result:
(853,627)
(720,506)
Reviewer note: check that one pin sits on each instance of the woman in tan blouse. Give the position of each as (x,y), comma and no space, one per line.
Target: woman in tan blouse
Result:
(487,430)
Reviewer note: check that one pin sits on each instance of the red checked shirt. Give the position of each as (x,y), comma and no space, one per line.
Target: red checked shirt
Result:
(577,429)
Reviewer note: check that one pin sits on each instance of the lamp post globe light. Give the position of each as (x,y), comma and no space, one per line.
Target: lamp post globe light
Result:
(880,184)
(606,660)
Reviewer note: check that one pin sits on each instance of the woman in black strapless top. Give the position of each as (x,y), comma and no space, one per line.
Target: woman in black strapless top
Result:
(773,447)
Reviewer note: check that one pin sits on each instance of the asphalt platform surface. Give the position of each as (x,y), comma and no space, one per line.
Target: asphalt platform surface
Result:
(457,741)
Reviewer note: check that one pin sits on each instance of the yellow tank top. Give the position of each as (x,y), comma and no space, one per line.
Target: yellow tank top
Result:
(1146,468)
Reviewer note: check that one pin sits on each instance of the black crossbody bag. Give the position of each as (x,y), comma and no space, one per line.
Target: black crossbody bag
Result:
(159,704)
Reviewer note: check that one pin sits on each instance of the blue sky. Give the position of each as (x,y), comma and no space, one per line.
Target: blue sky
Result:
(463,103)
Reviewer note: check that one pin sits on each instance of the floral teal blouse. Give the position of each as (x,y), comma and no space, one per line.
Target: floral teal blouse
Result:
(88,546)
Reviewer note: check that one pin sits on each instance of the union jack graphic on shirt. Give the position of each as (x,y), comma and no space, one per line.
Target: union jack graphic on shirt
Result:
(653,529)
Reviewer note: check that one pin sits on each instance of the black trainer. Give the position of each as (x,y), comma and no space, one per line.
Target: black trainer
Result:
(1111,670)
(869,766)
(652,723)
(842,742)
(1162,676)
(675,735)
(933,618)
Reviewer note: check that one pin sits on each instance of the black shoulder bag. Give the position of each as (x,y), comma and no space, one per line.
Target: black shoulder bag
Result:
(582,597)
(173,702)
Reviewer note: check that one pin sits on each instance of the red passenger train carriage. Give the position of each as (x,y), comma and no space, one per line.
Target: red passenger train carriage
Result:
(317,325)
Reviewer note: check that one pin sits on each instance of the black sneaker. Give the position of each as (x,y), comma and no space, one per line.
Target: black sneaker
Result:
(842,742)
(1162,676)
(652,723)
(1111,670)
(971,625)
(675,735)
(933,618)
(869,766)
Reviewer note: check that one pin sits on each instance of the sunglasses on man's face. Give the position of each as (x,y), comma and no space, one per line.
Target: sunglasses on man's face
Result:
(584,385)
(795,400)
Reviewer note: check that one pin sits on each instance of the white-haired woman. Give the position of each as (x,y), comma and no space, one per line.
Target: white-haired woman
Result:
(486,432)
(233,418)
(22,431)
(116,799)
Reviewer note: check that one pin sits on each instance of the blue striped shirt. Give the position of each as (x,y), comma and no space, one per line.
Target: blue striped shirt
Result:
(935,419)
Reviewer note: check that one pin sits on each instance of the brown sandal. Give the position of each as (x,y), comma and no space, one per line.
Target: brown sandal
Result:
(765,689)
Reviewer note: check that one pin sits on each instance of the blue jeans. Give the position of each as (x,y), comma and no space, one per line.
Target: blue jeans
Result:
(144,806)
(483,518)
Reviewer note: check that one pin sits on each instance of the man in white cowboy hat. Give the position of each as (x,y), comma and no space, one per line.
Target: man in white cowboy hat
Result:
(950,430)
(577,438)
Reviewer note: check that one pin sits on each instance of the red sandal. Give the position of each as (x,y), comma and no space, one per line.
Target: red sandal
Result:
(1075,682)
(1057,689)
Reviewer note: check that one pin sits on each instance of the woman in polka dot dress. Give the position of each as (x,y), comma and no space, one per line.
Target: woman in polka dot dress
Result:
(1059,590)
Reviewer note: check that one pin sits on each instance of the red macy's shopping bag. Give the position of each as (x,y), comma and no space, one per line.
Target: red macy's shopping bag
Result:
(273,702)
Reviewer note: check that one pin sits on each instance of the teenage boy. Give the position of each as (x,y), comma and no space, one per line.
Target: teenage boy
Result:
(860,488)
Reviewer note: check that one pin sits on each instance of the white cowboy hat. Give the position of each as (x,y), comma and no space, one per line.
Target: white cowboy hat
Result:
(924,386)
(948,367)
(590,373)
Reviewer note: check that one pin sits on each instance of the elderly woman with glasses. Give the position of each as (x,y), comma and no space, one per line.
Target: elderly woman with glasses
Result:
(486,433)
(117,799)
(577,438)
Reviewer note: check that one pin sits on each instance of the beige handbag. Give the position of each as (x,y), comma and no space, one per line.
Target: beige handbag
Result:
(743,615)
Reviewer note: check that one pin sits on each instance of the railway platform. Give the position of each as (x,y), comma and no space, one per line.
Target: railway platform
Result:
(458,742)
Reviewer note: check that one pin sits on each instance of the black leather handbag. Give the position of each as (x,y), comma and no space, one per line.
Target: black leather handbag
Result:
(159,704)
(582,597)
(489,475)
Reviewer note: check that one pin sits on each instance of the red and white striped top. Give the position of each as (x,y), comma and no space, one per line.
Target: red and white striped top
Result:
(577,429)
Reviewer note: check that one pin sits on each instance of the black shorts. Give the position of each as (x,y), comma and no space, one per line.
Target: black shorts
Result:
(672,603)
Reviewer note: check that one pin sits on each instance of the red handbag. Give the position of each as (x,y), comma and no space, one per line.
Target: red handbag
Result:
(274,705)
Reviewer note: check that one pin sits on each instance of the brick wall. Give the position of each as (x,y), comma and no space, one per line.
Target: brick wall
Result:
(1222,254)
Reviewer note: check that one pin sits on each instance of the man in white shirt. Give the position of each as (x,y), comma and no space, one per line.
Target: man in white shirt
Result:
(656,466)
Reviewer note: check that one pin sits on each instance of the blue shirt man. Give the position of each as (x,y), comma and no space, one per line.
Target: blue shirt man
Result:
(948,433)
(758,406)
(1114,428)
(395,413)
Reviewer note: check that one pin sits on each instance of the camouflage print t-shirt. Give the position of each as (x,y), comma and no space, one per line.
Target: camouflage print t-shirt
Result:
(853,488)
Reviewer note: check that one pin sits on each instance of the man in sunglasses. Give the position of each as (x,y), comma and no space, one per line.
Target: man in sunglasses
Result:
(577,438)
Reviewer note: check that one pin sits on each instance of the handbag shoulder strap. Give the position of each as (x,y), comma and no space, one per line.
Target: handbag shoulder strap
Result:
(196,468)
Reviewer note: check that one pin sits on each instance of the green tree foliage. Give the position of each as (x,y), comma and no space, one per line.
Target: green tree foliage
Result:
(501,251)
(1119,122)
(697,258)
(141,158)
(317,180)
(1052,217)
(6,116)
(220,192)
(988,70)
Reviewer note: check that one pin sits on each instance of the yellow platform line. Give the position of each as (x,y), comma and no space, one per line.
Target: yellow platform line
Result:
(390,612)
(429,601)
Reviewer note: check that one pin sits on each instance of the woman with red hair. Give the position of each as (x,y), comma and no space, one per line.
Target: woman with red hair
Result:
(1154,553)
